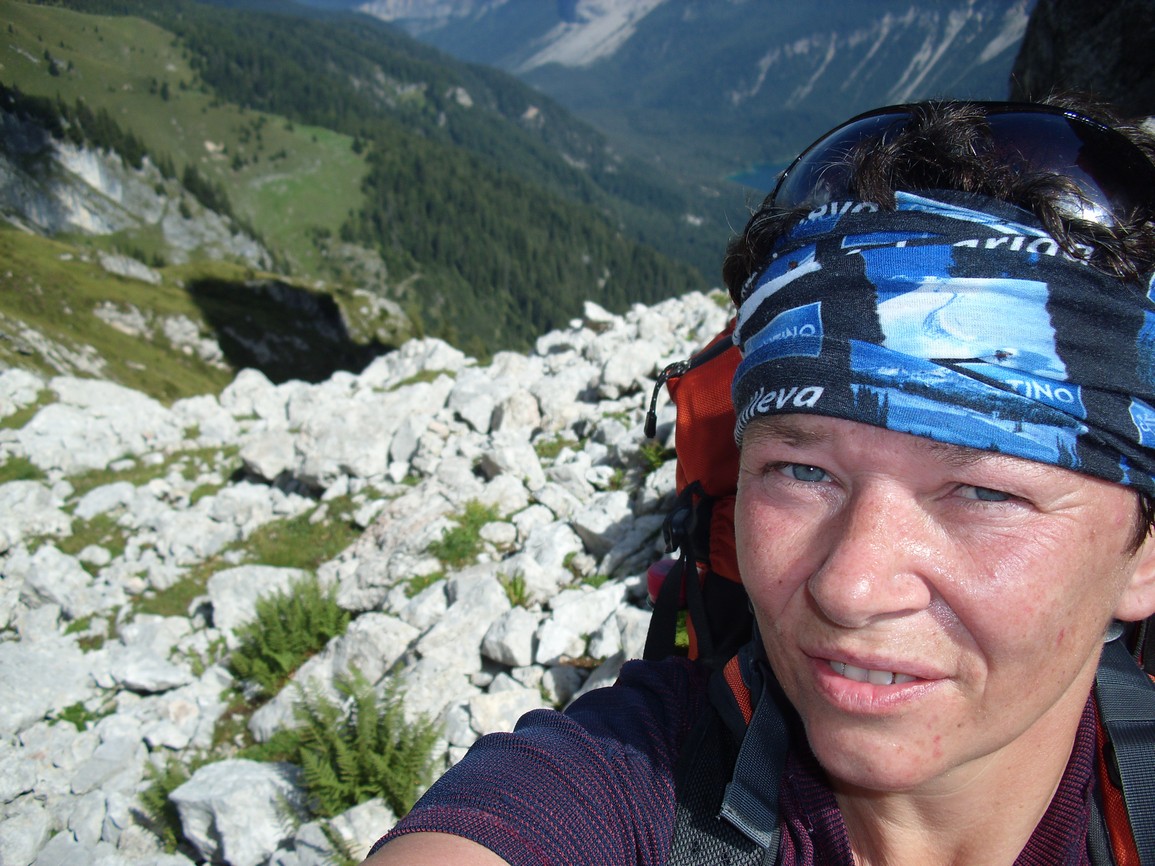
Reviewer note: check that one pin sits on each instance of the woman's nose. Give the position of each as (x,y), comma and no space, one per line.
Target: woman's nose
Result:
(878,557)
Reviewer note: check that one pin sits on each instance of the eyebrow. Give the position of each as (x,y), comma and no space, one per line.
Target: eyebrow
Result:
(794,431)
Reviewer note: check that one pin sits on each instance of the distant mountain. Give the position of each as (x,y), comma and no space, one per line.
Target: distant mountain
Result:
(718,86)
(356,156)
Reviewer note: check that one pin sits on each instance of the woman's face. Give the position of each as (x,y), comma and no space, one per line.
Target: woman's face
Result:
(928,608)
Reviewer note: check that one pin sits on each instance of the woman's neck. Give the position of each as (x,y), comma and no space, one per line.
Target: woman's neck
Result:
(984,813)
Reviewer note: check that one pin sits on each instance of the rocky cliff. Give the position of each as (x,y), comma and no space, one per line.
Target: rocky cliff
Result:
(1106,47)
(124,501)
(54,187)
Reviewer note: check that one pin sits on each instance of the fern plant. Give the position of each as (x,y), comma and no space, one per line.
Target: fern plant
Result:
(289,627)
(364,749)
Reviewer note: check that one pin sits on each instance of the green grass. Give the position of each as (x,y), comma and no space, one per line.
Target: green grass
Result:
(654,455)
(548,449)
(178,598)
(420,582)
(460,545)
(297,543)
(101,530)
(137,474)
(24,414)
(79,716)
(47,286)
(284,180)
(20,469)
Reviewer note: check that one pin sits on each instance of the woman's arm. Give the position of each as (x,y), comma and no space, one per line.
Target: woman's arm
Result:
(433,849)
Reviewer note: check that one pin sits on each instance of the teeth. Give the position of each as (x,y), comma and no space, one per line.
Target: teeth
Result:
(877,678)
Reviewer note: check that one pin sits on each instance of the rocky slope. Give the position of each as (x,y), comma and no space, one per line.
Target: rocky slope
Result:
(93,692)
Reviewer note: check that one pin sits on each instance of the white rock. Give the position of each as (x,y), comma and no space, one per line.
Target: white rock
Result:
(426,607)
(550,546)
(269,454)
(17,772)
(18,388)
(510,640)
(625,370)
(37,678)
(514,457)
(360,827)
(95,423)
(604,521)
(251,394)
(477,599)
(561,683)
(576,614)
(234,592)
(499,712)
(117,764)
(233,810)
(27,828)
(204,415)
(519,411)
(27,509)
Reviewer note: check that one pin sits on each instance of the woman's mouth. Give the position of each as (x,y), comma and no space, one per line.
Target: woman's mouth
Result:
(864,675)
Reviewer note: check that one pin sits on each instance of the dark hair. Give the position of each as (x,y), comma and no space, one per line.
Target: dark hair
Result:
(1144,521)
(941,148)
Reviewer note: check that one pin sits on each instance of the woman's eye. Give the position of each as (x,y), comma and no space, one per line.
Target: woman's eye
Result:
(984,494)
(802,472)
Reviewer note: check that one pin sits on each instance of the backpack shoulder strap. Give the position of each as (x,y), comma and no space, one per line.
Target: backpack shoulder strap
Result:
(729,772)
(1126,698)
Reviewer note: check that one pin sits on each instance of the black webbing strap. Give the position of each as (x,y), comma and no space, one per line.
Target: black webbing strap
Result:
(1127,709)
(751,800)
(728,776)
(687,530)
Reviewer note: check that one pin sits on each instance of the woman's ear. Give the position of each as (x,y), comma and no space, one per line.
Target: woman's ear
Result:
(1138,599)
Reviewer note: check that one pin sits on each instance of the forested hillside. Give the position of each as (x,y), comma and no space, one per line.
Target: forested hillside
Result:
(495,213)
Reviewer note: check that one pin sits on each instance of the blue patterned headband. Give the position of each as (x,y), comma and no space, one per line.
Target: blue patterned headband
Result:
(960,319)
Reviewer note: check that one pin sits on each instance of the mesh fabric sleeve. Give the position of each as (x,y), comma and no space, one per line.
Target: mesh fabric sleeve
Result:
(593,785)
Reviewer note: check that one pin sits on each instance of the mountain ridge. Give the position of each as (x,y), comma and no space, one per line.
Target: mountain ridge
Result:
(765,76)
(308,141)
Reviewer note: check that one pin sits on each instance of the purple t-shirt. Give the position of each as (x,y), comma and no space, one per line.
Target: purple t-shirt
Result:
(594,785)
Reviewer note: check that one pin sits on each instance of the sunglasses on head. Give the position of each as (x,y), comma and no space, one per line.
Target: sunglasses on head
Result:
(1113,175)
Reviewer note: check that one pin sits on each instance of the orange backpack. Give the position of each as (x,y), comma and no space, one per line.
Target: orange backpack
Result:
(703,580)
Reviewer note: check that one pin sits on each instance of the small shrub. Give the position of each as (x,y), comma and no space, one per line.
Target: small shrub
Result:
(548,449)
(654,455)
(288,629)
(461,544)
(160,813)
(515,589)
(77,715)
(368,750)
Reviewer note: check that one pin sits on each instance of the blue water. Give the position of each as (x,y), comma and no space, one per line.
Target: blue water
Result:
(761,177)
